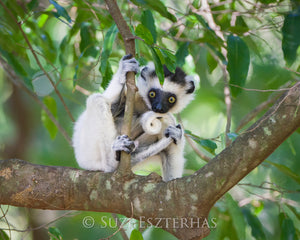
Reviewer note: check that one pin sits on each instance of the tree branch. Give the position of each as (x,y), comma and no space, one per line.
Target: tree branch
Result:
(128,38)
(47,187)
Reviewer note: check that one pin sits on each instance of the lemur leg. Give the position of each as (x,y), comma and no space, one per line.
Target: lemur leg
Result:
(173,156)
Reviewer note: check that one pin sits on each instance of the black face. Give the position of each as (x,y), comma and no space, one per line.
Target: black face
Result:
(161,102)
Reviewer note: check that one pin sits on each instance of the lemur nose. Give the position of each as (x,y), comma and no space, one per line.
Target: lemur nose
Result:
(158,108)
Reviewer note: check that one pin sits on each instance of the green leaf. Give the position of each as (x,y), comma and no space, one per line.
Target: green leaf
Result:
(267,1)
(288,231)
(14,62)
(47,122)
(136,235)
(240,26)
(107,76)
(109,39)
(217,53)
(41,83)
(3,235)
(182,53)
(158,65)
(148,21)
(207,144)
(169,59)
(157,6)
(54,233)
(61,11)
(258,207)
(286,171)
(211,62)
(144,33)
(291,37)
(256,226)
(237,217)
(238,63)
(87,43)
(32,4)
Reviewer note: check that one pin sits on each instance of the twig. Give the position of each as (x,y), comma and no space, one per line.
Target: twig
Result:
(196,150)
(125,164)
(14,79)
(251,115)
(43,225)
(37,59)
(207,14)
(6,221)
(259,122)
(192,144)
(260,90)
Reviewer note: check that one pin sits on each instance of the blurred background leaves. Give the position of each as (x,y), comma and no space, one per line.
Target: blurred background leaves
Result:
(246,44)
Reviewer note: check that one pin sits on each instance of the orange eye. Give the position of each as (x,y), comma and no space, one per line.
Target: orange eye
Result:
(152,94)
(172,99)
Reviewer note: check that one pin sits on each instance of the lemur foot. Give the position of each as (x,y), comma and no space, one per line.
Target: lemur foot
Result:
(128,64)
(174,132)
(123,143)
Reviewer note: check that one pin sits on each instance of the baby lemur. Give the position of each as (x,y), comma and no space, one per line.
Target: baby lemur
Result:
(96,138)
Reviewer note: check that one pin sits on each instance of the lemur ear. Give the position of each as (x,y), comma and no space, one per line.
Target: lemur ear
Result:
(190,83)
(167,72)
(179,76)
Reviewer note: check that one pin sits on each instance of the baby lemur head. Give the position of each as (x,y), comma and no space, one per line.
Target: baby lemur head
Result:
(173,96)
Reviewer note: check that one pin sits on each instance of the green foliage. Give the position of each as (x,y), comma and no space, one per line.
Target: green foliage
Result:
(47,122)
(136,235)
(238,63)
(3,235)
(237,217)
(144,33)
(256,226)
(291,36)
(207,144)
(181,54)
(286,171)
(105,67)
(157,63)
(61,12)
(77,43)
(157,6)
(54,233)
(148,21)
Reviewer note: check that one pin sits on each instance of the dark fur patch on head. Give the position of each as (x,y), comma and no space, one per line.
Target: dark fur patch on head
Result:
(167,72)
(152,74)
(191,88)
(143,72)
(179,76)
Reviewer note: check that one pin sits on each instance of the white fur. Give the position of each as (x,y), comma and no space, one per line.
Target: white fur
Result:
(95,138)
(95,130)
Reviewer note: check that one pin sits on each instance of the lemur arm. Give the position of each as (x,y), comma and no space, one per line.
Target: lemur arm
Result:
(172,135)
(113,91)
(145,152)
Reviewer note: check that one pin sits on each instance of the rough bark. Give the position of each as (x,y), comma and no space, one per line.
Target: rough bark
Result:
(44,187)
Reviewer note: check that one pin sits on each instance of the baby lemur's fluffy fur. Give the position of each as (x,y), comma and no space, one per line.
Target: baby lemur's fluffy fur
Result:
(97,139)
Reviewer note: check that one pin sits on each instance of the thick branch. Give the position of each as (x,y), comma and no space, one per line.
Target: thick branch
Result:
(252,147)
(128,38)
(34,186)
